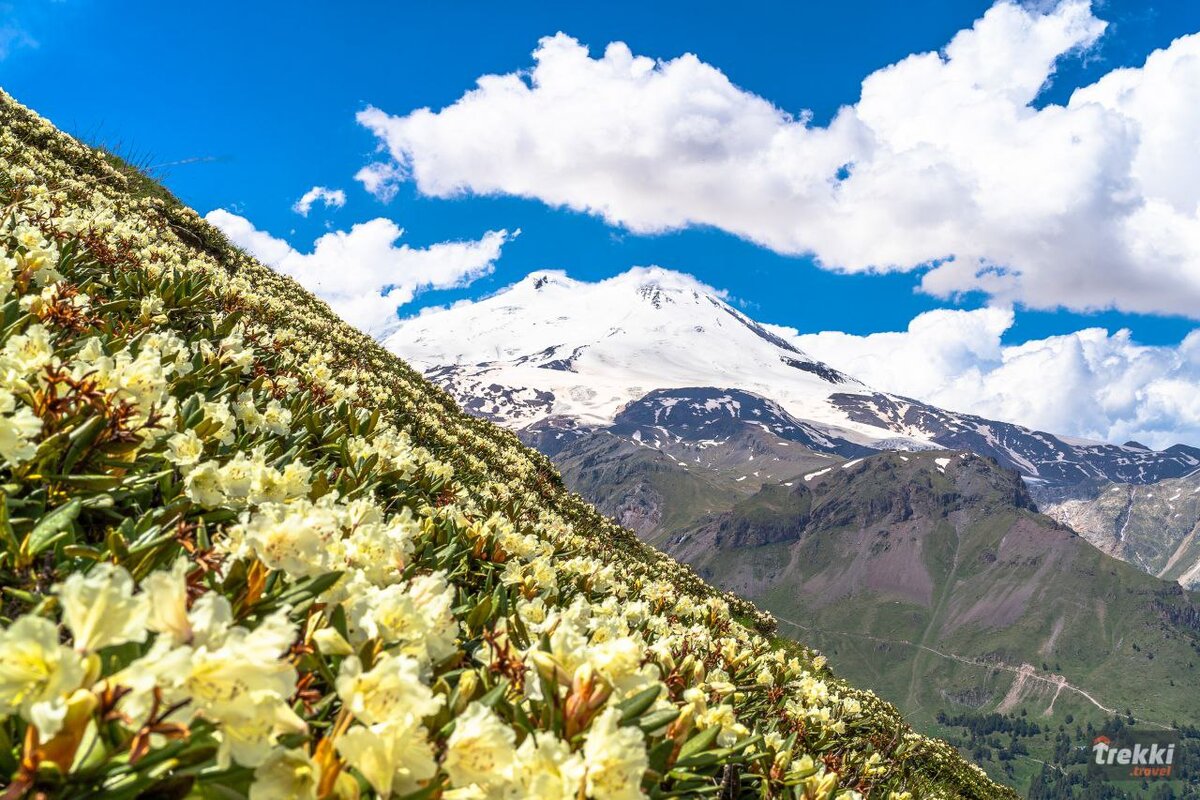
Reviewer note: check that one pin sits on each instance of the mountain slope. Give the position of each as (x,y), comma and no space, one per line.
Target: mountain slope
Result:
(252,549)
(1053,662)
(552,347)
(710,446)
(935,570)
(1042,457)
(678,454)
(1156,527)
(588,349)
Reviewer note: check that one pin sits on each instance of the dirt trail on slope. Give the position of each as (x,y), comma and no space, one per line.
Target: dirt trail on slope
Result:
(1024,673)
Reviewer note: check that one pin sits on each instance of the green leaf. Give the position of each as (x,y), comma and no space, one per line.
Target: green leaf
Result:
(83,551)
(699,743)
(480,613)
(8,761)
(337,621)
(53,526)
(114,307)
(656,720)
(660,754)
(635,706)
(100,501)
(494,694)
(744,743)
(96,483)
(705,759)
(310,587)
(8,536)
(81,439)
(51,445)
(228,324)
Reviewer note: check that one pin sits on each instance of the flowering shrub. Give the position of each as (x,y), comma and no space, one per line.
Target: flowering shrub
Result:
(246,553)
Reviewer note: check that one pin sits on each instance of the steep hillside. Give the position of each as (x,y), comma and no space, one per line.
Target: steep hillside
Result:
(678,454)
(246,552)
(643,489)
(1155,527)
(935,577)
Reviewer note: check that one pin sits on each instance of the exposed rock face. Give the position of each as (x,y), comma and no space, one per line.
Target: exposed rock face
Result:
(1035,454)
(640,510)
(775,514)
(1156,527)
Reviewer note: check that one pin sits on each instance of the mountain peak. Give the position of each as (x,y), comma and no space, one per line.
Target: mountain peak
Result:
(553,346)
(539,280)
(668,280)
(590,347)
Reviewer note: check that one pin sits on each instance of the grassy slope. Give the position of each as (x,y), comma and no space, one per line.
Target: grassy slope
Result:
(641,487)
(680,482)
(996,584)
(481,454)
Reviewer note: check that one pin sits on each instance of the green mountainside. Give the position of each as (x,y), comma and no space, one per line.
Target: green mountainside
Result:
(931,578)
(655,491)
(245,552)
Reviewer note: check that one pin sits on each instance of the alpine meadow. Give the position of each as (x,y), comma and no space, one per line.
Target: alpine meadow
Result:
(249,553)
(566,401)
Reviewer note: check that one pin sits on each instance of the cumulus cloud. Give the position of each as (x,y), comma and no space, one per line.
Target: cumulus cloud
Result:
(942,165)
(1090,383)
(332,198)
(362,273)
(381,178)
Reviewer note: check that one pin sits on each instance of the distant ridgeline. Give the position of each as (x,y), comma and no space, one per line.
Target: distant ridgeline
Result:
(245,552)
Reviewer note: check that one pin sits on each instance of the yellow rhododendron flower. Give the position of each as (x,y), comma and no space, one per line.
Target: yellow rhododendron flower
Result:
(184,449)
(615,759)
(296,538)
(166,594)
(393,756)
(100,608)
(203,485)
(240,679)
(415,615)
(286,774)
(481,751)
(37,674)
(547,769)
(26,353)
(390,689)
(19,426)
(331,643)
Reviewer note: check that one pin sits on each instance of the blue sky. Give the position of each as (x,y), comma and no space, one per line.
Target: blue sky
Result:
(1047,176)
(268,97)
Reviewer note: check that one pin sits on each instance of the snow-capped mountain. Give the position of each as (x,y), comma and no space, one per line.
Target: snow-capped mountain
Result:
(553,346)
(706,415)
(553,351)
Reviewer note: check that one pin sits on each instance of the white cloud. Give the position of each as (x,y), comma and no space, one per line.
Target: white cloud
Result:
(362,273)
(381,178)
(1089,383)
(943,160)
(332,198)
